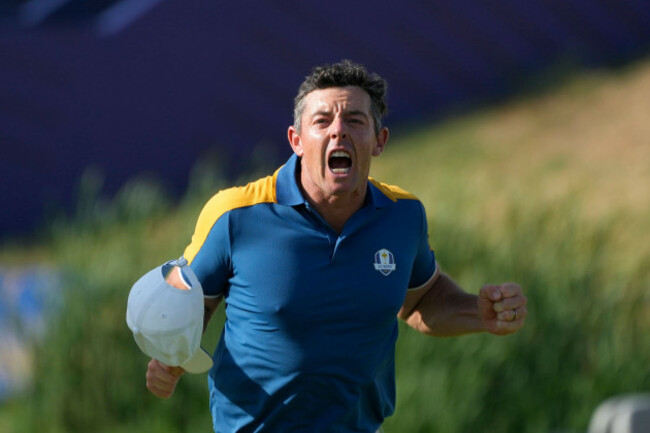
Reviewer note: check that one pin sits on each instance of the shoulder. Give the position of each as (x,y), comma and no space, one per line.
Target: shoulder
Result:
(393,192)
(402,203)
(260,191)
(257,192)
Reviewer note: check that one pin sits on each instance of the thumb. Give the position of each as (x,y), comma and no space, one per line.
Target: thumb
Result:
(171,370)
(176,371)
(490,292)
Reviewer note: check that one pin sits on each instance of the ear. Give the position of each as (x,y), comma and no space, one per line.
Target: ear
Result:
(294,141)
(382,139)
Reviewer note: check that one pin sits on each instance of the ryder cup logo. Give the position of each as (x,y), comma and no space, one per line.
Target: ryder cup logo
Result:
(384,261)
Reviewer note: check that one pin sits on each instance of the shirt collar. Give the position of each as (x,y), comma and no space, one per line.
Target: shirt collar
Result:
(288,192)
(377,198)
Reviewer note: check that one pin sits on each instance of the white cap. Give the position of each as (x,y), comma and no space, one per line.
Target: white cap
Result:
(167,322)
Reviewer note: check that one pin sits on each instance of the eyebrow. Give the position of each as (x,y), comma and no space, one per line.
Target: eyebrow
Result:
(345,113)
(356,113)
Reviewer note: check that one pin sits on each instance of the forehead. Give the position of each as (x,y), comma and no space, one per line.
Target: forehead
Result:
(349,98)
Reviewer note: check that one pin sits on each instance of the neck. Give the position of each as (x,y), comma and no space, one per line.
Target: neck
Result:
(336,210)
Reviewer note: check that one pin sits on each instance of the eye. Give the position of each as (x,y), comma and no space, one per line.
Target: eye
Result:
(321,121)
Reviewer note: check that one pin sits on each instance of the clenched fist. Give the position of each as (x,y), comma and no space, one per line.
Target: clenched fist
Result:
(162,379)
(502,308)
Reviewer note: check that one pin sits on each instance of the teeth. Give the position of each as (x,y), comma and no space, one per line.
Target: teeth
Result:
(341,154)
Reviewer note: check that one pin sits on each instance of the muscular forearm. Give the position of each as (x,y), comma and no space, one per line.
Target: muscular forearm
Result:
(446,310)
(210,306)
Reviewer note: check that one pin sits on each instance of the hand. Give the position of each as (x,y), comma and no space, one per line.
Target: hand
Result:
(502,308)
(162,379)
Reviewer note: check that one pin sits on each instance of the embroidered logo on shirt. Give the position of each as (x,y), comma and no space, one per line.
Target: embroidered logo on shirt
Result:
(384,261)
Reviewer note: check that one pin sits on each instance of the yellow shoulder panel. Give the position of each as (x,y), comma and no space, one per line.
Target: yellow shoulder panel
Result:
(260,191)
(392,192)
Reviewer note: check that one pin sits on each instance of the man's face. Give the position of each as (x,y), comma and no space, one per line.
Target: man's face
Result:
(336,142)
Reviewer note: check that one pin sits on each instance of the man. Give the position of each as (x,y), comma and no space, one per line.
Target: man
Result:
(315,264)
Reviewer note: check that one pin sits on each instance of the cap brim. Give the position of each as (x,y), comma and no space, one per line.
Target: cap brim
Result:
(199,363)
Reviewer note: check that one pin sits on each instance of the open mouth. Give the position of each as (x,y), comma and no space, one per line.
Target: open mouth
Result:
(340,162)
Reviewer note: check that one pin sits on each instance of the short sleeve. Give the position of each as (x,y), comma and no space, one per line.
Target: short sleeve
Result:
(209,252)
(424,265)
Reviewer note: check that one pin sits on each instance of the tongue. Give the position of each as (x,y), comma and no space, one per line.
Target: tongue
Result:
(339,162)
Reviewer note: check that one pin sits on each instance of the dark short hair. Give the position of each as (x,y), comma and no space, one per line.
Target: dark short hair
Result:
(344,73)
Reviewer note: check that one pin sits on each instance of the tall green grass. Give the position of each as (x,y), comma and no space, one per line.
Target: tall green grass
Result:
(586,276)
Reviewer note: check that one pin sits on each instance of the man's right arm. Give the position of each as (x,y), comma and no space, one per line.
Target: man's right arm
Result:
(161,378)
(175,279)
(210,306)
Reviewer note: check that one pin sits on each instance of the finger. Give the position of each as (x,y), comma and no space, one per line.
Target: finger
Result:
(159,373)
(162,380)
(161,392)
(505,327)
(510,303)
(506,316)
(176,371)
(161,387)
(164,370)
(156,369)
(490,292)
(509,290)
(512,314)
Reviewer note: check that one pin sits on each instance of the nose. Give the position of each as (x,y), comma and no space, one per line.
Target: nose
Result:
(338,129)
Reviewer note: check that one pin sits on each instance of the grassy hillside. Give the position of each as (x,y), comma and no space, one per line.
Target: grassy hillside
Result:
(551,191)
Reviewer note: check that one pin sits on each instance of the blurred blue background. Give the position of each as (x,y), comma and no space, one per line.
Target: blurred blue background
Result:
(28,297)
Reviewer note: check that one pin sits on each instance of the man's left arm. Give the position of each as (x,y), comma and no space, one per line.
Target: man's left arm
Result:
(442,308)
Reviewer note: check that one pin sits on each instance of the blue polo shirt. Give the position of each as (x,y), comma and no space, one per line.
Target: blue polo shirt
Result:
(308,342)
